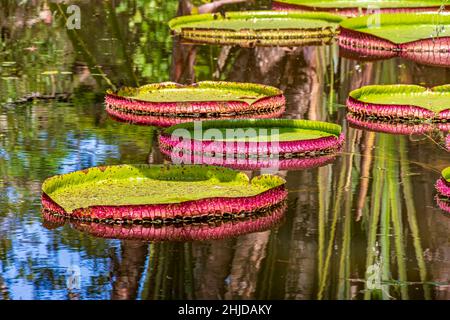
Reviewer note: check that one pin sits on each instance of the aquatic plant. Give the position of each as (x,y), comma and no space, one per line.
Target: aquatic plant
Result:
(257,28)
(159,193)
(245,142)
(168,103)
(210,230)
(401,102)
(420,37)
(356,8)
(443,184)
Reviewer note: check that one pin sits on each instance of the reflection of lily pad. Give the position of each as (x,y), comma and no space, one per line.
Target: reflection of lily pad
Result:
(130,193)
(401,102)
(208,230)
(421,37)
(394,126)
(248,138)
(358,7)
(169,103)
(249,28)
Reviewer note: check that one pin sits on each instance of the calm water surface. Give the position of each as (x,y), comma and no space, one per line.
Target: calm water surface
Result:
(363,227)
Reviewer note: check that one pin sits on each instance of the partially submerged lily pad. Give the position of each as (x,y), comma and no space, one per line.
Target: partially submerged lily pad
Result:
(443,184)
(157,193)
(358,7)
(421,37)
(168,103)
(246,140)
(199,231)
(401,103)
(261,28)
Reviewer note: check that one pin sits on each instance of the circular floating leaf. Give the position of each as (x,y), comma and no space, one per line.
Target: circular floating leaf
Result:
(199,231)
(421,37)
(401,102)
(260,28)
(146,193)
(169,103)
(357,7)
(243,141)
(443,184)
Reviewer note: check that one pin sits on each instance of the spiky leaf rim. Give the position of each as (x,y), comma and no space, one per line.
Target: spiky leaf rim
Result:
(122,97)
(274,187)
(257,37)
(184,232)
(355,105)
(331,143)
(357,10)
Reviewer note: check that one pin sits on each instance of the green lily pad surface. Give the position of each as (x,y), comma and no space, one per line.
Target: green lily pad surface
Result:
(261,130)
(402,28)
(255,20)
(436,99)
(151,184)
(202,91)
(363,3)
(446,174)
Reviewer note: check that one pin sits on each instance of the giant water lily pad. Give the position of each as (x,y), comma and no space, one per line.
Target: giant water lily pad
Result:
(158,193)
(177,231)
(168,103)
(250,28)
(358,7)
(421,37)
(401,102)
(443,189)
(443,184)
(247,140)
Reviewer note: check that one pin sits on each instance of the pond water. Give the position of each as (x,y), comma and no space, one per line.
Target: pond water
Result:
(365,226)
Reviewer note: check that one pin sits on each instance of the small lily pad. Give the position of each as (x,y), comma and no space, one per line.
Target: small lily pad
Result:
(151,193)
(443,189)
(420,37)
(358,7)
(251,138)
(169,103)
(177,230)
(250,28)
(401,102)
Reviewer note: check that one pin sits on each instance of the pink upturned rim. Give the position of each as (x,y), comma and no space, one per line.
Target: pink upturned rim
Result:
(395,111)
(331,143)
(393,128)
(186,232)
(443,187)
(161,212)
(433,51)
(167,121)
(348,12)
(185,107)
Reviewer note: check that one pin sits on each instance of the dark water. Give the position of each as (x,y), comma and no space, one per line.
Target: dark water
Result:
(370,215)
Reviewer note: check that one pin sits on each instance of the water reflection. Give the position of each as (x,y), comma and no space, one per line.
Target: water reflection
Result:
(372,207)
(214,230)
